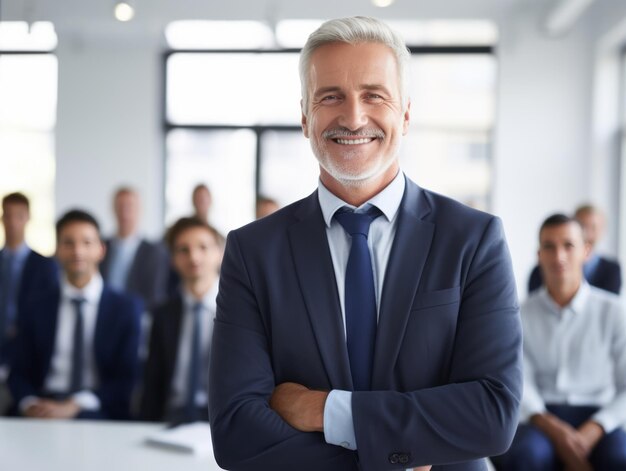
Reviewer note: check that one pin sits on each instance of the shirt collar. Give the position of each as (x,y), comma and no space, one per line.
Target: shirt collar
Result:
(388,200)
(207,301)
(91,292)
(577,304)
(20,252)
(129,241)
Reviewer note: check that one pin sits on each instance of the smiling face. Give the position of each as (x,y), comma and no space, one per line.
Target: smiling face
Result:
(355,118)
(79,251)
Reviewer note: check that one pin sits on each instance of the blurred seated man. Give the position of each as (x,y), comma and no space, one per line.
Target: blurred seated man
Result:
(599,271)
(202,201)
(23,273)
(76,350)
(175,381)
(265,206)
(574,400)
(131,263)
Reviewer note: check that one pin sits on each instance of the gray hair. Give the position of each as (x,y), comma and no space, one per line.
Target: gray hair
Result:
(354,30)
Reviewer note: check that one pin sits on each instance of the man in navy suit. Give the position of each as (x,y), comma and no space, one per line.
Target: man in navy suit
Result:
(76,350)
(175,379)
(339,346)
(131,263)
(599,271)
(24,273)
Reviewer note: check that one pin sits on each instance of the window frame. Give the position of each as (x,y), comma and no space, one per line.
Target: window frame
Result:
(167,126)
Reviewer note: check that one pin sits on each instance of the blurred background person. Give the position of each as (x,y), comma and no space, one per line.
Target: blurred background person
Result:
(76,350)
(574,402)
(202,201)
(175,380)
(133,264)
(23,273)
(599,271)
(265,206)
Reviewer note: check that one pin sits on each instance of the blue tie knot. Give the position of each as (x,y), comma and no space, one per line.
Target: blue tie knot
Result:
(78,302)
(357,223)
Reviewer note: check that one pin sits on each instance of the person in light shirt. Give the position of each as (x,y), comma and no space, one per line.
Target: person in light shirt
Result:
(132,264)
(372,325)
(574,401)
(175,380)
(76,349)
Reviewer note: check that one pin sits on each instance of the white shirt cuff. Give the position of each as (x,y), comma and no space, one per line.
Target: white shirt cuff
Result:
(87,400)
(26,402)
(606,420)
(338,424)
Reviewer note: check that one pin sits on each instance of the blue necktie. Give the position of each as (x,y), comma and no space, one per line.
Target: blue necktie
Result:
(78,353)
(360,297)
(193,380)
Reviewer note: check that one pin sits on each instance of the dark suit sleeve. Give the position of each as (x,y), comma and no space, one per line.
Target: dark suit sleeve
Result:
(613,278)
(23,378)
(246,433)
(119,377)
(474,414)
(534,280)
(152,400)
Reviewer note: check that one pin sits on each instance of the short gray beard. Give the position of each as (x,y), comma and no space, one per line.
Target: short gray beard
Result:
(347,180)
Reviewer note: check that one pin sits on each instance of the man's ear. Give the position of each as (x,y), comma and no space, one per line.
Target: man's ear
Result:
(406,119)
(303,122)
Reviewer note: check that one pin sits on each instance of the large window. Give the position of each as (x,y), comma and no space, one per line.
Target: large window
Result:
(232,117)
(28,94)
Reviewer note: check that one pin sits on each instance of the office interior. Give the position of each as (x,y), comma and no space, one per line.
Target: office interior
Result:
(531,124)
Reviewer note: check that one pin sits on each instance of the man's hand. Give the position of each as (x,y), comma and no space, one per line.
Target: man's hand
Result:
(569,444)
(48,409)
(591,432)
(299,406)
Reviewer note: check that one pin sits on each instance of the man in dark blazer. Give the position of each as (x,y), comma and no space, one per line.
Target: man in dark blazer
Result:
(174,386)
(339,349)
(24,273)
(76,350)
(131,263)
(599,271)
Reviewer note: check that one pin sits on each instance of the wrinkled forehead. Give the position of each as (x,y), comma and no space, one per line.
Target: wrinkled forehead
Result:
(343,62)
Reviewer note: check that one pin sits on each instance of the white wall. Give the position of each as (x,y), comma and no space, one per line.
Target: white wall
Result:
(541,140)
(108,126)
(546,155)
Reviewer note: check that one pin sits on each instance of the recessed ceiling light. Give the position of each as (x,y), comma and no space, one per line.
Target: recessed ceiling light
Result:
(382,3)
(124,11)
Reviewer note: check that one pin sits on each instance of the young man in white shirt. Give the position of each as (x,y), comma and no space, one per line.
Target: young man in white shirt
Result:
(76,349)
(574,401)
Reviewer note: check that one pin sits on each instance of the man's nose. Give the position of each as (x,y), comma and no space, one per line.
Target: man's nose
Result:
(353,114)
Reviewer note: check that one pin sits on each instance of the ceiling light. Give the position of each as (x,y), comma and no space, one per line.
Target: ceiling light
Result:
(124,11)
(382,3)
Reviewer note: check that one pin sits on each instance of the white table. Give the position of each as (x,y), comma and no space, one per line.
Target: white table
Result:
(59,445)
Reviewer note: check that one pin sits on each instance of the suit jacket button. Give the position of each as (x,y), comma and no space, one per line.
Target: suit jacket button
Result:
(394,458)
(404,458)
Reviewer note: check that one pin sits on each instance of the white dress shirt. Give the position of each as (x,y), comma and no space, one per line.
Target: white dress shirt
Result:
(181,373)
(59,376)
(338,423)
(575,355)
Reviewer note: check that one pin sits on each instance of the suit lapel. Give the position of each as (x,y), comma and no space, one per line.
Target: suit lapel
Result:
(404,270)
(47,325)
(314,269)
(103,327)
